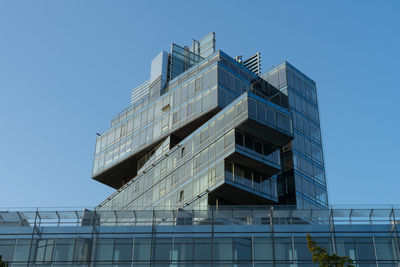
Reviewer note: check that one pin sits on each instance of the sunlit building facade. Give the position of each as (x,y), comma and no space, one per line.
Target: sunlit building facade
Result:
(206,127)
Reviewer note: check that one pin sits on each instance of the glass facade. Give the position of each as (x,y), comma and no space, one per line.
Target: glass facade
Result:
(196,165)
(177,148)
(147,123)
(164,151)
(303,181)
(229,236)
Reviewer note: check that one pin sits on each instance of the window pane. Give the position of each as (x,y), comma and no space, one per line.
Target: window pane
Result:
(242,248)
(104,249)
(222,248)
(183,249)
(7,249)
(261,111)
(239,138)
(385,248)
(345,247)
(263,248)
(162,248)
(228,171)
(252,107)
(123,250)
(300,249)
(364,248)
(142,249)
(82,249)
(283,248)
(64,249)
(202,249)
(21,251)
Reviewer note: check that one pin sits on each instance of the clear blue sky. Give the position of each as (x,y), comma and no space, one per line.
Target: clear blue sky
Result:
(66,67)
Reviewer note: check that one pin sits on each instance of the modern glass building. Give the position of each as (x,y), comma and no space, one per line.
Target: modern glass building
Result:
(206,130)
(214,164)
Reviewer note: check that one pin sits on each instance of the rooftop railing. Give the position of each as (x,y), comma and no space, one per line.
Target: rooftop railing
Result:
(223,215)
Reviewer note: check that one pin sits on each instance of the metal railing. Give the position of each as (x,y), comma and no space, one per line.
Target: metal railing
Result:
(226,215)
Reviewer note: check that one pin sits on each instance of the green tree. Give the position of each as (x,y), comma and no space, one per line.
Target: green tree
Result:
(324,259)
(2,263)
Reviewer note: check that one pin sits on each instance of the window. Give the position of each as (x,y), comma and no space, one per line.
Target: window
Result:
(182,152)
(213,75)
(104,249)
(203,135)
(242,249)
(261,111)
(44,251)
(314,132)
(228,171)
(206,79)
(222,248)
(202,249)
(198,86)
(385,248)
(204,157)
(64,250)
(211,151)
(222,76)
(211,177)
(109,157)
(123,249)
(220,145)
(313,112)
(189,108)
(21,250)
(252,107)
(238,86)
(184,93)
(316,153)
(198,105)
(320,195)
(142,249)
(7,249)
(271,117)
(175,117)
(364,248)
(248,142)
(283,248)
(301,251)
(191,89)
(206,98)
(181,196)
(239,138)
(229,117)
(229,138)
(220,124)
(231,82)
(183,249)
(263,248)
(258,147)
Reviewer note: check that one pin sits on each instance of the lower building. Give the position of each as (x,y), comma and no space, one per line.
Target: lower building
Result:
(229,236)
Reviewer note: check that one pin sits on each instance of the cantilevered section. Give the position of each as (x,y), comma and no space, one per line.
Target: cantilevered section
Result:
(197,163)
